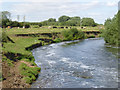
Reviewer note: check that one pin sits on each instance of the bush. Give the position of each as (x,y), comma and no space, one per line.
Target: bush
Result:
(40,24)
(72,34)
(4,37)
(57,40)
(27,26)
(30,73)
(35,26)
(91,36)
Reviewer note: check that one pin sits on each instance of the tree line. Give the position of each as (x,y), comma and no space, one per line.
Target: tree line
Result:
(112,30)
(64,20)
(67,21)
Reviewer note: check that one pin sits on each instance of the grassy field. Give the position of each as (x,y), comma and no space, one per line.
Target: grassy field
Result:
(44,30)
(22,42)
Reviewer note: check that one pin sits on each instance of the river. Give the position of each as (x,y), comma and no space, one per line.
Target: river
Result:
(86,63)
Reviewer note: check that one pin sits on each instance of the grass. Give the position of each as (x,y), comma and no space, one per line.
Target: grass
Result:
(30,73)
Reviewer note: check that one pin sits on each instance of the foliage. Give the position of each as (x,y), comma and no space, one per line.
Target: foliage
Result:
(51,20)
(40,24)
(57,40)
(4,37)
(63,18)
(110,33)
(88,22)
(35,26)
(27,80)
(27,25)
(72,34)
(5,15)
(91,36)
(29,73)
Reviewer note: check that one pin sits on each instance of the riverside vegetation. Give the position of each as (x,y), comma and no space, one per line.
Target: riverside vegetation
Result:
(112,30)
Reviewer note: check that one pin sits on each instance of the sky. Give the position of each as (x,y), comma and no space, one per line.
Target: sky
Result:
(40,10)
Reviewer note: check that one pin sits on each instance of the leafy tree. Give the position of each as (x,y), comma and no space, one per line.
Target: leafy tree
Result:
(5,15)
(63,18)
(51,20)
(88,22)
(110,33)
(40,24)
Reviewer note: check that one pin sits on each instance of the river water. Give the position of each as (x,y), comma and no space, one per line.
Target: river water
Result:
(86,63)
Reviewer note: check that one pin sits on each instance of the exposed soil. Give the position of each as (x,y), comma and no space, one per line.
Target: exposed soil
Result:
(12,76)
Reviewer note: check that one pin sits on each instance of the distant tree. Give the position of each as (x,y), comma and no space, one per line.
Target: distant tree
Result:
(76,18)
(40,24)
(52,20)
(63,18)
(71,23)
(4,18)
(88,22)
(27,25)
(5,15)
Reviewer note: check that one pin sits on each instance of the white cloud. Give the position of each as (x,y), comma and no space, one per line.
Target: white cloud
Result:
(36,0)
(94,14)
(0,6)
(67,7)
(111,4)
(39,10)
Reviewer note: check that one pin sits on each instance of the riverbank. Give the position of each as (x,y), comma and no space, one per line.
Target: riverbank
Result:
(19,69)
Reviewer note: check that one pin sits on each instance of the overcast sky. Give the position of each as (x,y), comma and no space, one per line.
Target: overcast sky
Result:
(40,10)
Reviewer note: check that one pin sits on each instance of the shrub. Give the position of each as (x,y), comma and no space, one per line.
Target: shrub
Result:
(35,26)
(40,24)
(91,36)
(72,34)
(30,73)
(4,37)
(57,40)
(27,26)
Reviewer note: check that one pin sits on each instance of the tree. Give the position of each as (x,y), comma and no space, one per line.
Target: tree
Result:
(110,33)
(40,24)
(63,18)
(108,21)
(88,22)
(74,21)
(5,15)
(51,20)
(4,19)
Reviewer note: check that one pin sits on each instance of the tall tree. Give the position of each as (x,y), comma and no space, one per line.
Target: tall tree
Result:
(110,33)
(63,18)
(88,22)
(5,15)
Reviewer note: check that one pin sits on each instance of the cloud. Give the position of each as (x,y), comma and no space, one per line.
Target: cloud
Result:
(64,7)
(39,10)
(94,14)
(0,5)
(111,4)
(36,0)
